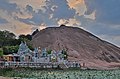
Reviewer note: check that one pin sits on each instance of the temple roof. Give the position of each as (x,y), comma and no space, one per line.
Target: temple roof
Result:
(23,48)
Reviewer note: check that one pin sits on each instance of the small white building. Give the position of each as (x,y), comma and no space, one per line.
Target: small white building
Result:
(26,55)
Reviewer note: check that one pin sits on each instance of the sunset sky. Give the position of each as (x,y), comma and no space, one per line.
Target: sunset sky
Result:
(100,17)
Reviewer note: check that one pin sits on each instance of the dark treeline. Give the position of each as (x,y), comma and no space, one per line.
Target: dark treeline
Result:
(9,43)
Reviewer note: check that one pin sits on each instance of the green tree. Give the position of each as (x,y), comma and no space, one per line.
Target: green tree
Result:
(64,52)
(35,32)
(49,51)
(1,52)
(29,37)
(9,35)
(10,49)
(7,38)
(24,37)
(9,43)
(30,47)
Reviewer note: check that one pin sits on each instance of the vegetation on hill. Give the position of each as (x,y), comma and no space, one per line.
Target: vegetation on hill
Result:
(10,49)
(9,43)
(7,38)
(1,52)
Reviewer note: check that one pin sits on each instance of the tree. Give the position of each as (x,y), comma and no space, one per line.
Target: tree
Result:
(24,37)
(9,35)
(29,37)
(1,52)
(65,54)
(49,51)
(35,32)
(6,38)
(10,49)
(10,44)
(30,47)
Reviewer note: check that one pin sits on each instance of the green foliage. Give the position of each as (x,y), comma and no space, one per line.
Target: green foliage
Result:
(35,32)
(10,44)
(65,54)
(25,37)
(61,74)
(7,34)
(30,47)
(4,71)
(10,49)
(49,51)
(7,38)
(1,52)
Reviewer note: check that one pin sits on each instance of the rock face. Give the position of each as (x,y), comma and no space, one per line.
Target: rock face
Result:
(81,46)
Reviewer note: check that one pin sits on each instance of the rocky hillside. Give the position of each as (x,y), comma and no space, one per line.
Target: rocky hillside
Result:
(81,46)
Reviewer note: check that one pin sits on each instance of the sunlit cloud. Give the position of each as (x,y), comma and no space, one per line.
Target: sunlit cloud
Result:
(78,5)
(70,22)
(23,15)
(42,26)
(73,3)
(13,24)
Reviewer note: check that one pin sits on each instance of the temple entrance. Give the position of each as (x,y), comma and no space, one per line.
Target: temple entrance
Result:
(17,58)
(28,58)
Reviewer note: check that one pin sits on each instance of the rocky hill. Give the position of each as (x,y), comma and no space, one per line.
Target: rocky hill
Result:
(81,46)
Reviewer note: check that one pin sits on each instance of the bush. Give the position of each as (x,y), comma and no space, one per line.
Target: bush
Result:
(10,49)
(65,54)
(1,52)
(49,51)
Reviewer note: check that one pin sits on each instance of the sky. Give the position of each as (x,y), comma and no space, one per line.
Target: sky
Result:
(100,17)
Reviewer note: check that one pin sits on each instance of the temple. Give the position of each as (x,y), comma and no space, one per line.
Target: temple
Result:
(38,58)
(24,54)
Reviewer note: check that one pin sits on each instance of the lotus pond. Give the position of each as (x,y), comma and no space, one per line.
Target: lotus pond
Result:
(60,74)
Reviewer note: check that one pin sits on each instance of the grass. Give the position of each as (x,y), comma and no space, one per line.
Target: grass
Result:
(60,74)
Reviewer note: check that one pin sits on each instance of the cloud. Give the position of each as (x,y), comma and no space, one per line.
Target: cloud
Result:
(2,21)
(78,5)
(13,24)
(39,18)
(49,14)
(15,13)
(91,16)
(42,26)
(32,14)
(22,15)
(70,22)
(5,5)
(107,11)
(36,4)
(61,10)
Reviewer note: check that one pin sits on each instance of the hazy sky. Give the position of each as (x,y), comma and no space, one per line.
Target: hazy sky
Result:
(100,17)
